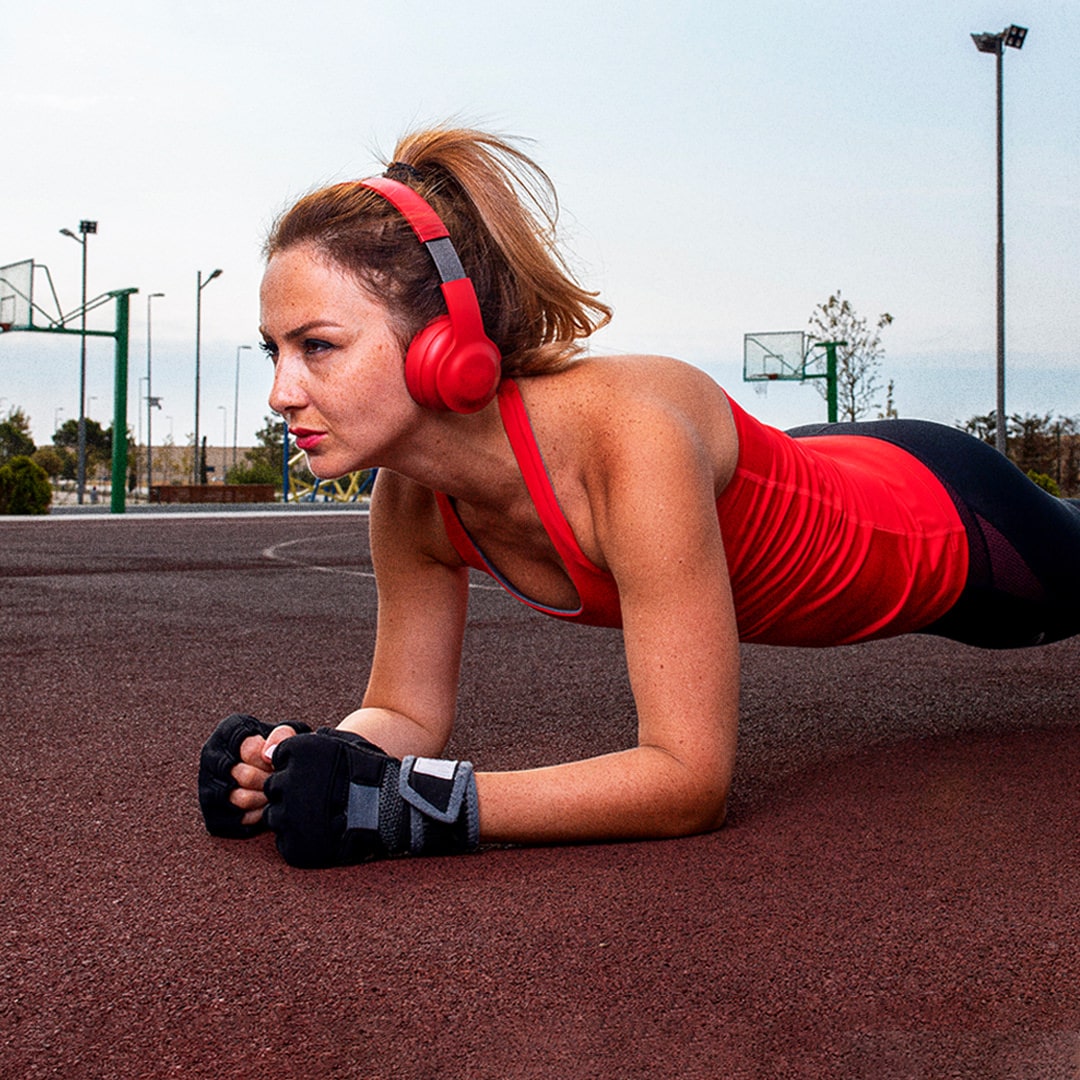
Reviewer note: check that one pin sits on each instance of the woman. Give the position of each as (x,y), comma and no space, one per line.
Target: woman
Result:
(502,449)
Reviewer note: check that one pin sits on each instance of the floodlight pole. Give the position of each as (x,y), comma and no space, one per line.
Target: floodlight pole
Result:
(86,228)
(236,402)
(224,440)
(1013,37)
(151,402)
(200,285)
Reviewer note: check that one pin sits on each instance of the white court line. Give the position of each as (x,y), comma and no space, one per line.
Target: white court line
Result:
(274,553)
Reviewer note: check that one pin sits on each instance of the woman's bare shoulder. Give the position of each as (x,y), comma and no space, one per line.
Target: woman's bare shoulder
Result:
(612,405)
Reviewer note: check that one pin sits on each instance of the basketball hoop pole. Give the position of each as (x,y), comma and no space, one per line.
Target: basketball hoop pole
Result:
(120,380)
(120,395)
(829,375)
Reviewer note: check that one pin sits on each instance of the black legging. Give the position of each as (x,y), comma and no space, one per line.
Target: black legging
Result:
(1023,583)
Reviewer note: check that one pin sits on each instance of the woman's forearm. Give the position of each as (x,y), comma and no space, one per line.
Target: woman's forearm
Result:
(633,794)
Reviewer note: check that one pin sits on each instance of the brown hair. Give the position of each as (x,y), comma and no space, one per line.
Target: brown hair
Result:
(500,208)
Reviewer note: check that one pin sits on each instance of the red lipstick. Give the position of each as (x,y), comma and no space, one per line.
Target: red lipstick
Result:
(305,438)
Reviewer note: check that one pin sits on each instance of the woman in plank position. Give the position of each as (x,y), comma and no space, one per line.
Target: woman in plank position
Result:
(423,322)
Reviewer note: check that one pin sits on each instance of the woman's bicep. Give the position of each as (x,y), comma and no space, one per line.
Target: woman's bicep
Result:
(663,545)
(683,660)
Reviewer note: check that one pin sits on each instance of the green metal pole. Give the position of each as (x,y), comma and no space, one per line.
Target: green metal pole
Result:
(120,390)
(830,378)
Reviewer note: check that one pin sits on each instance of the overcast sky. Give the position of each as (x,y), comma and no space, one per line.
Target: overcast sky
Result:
(723,167)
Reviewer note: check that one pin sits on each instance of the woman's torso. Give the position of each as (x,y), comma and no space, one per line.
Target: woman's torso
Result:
(828,540)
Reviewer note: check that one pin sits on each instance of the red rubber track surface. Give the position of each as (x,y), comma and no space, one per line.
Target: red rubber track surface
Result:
(897,893)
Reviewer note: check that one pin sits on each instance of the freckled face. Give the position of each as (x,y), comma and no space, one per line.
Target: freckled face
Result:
(338,367)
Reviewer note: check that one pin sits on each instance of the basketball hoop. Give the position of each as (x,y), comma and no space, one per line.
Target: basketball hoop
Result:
(4,327)
(774,355)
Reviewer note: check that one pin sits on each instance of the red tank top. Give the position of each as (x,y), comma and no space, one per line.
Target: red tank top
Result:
(829,540)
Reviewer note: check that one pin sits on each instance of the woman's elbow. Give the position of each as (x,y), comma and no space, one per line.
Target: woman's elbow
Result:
(699,810)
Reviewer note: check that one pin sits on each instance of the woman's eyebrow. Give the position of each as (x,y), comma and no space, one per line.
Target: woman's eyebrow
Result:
(305,328)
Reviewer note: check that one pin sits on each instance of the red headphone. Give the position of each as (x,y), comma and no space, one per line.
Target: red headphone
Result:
(451,364)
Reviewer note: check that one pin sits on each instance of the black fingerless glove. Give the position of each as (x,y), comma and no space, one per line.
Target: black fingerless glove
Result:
(219,754)
(337,799)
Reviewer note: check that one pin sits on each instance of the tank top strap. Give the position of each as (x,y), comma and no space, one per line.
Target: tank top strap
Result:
(534,472)
(459,536)
(597,594)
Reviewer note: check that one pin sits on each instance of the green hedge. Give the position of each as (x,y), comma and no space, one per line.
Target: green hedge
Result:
(24,487)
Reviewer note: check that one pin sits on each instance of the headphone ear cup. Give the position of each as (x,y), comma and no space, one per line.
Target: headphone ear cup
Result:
(442,375)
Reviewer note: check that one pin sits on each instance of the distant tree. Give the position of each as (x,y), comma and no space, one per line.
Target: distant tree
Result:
(70,462)
(99,442)
(858,361)
(97,438)
(1030,442)
(890,412)
(263,464)
(1043,446)
(15,440)
(271,449)
(1066,439)
(172,464)
(52,460)
(983,427)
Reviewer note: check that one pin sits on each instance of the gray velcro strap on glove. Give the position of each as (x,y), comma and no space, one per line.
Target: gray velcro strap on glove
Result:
(439,793)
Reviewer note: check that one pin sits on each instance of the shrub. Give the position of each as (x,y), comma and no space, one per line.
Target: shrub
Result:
(1047,483)
(257,472)
(24,487)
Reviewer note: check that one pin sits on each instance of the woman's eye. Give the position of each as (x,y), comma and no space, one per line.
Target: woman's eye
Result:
(313,345)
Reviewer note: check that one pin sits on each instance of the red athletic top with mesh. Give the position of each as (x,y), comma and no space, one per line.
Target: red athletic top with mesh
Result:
(829,540)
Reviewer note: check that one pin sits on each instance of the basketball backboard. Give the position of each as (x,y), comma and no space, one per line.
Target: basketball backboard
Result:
(777,354)
(17,295)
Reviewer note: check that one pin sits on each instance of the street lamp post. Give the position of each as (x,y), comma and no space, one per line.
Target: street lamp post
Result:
(236,402)
(138,434)
(86,228)
(200,285)
(224,438)
(151,402)
(1013,37)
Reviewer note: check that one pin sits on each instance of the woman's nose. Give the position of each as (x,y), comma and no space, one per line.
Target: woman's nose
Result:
(286,393)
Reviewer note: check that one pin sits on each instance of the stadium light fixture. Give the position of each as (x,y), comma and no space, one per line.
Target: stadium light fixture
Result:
(1012,37)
